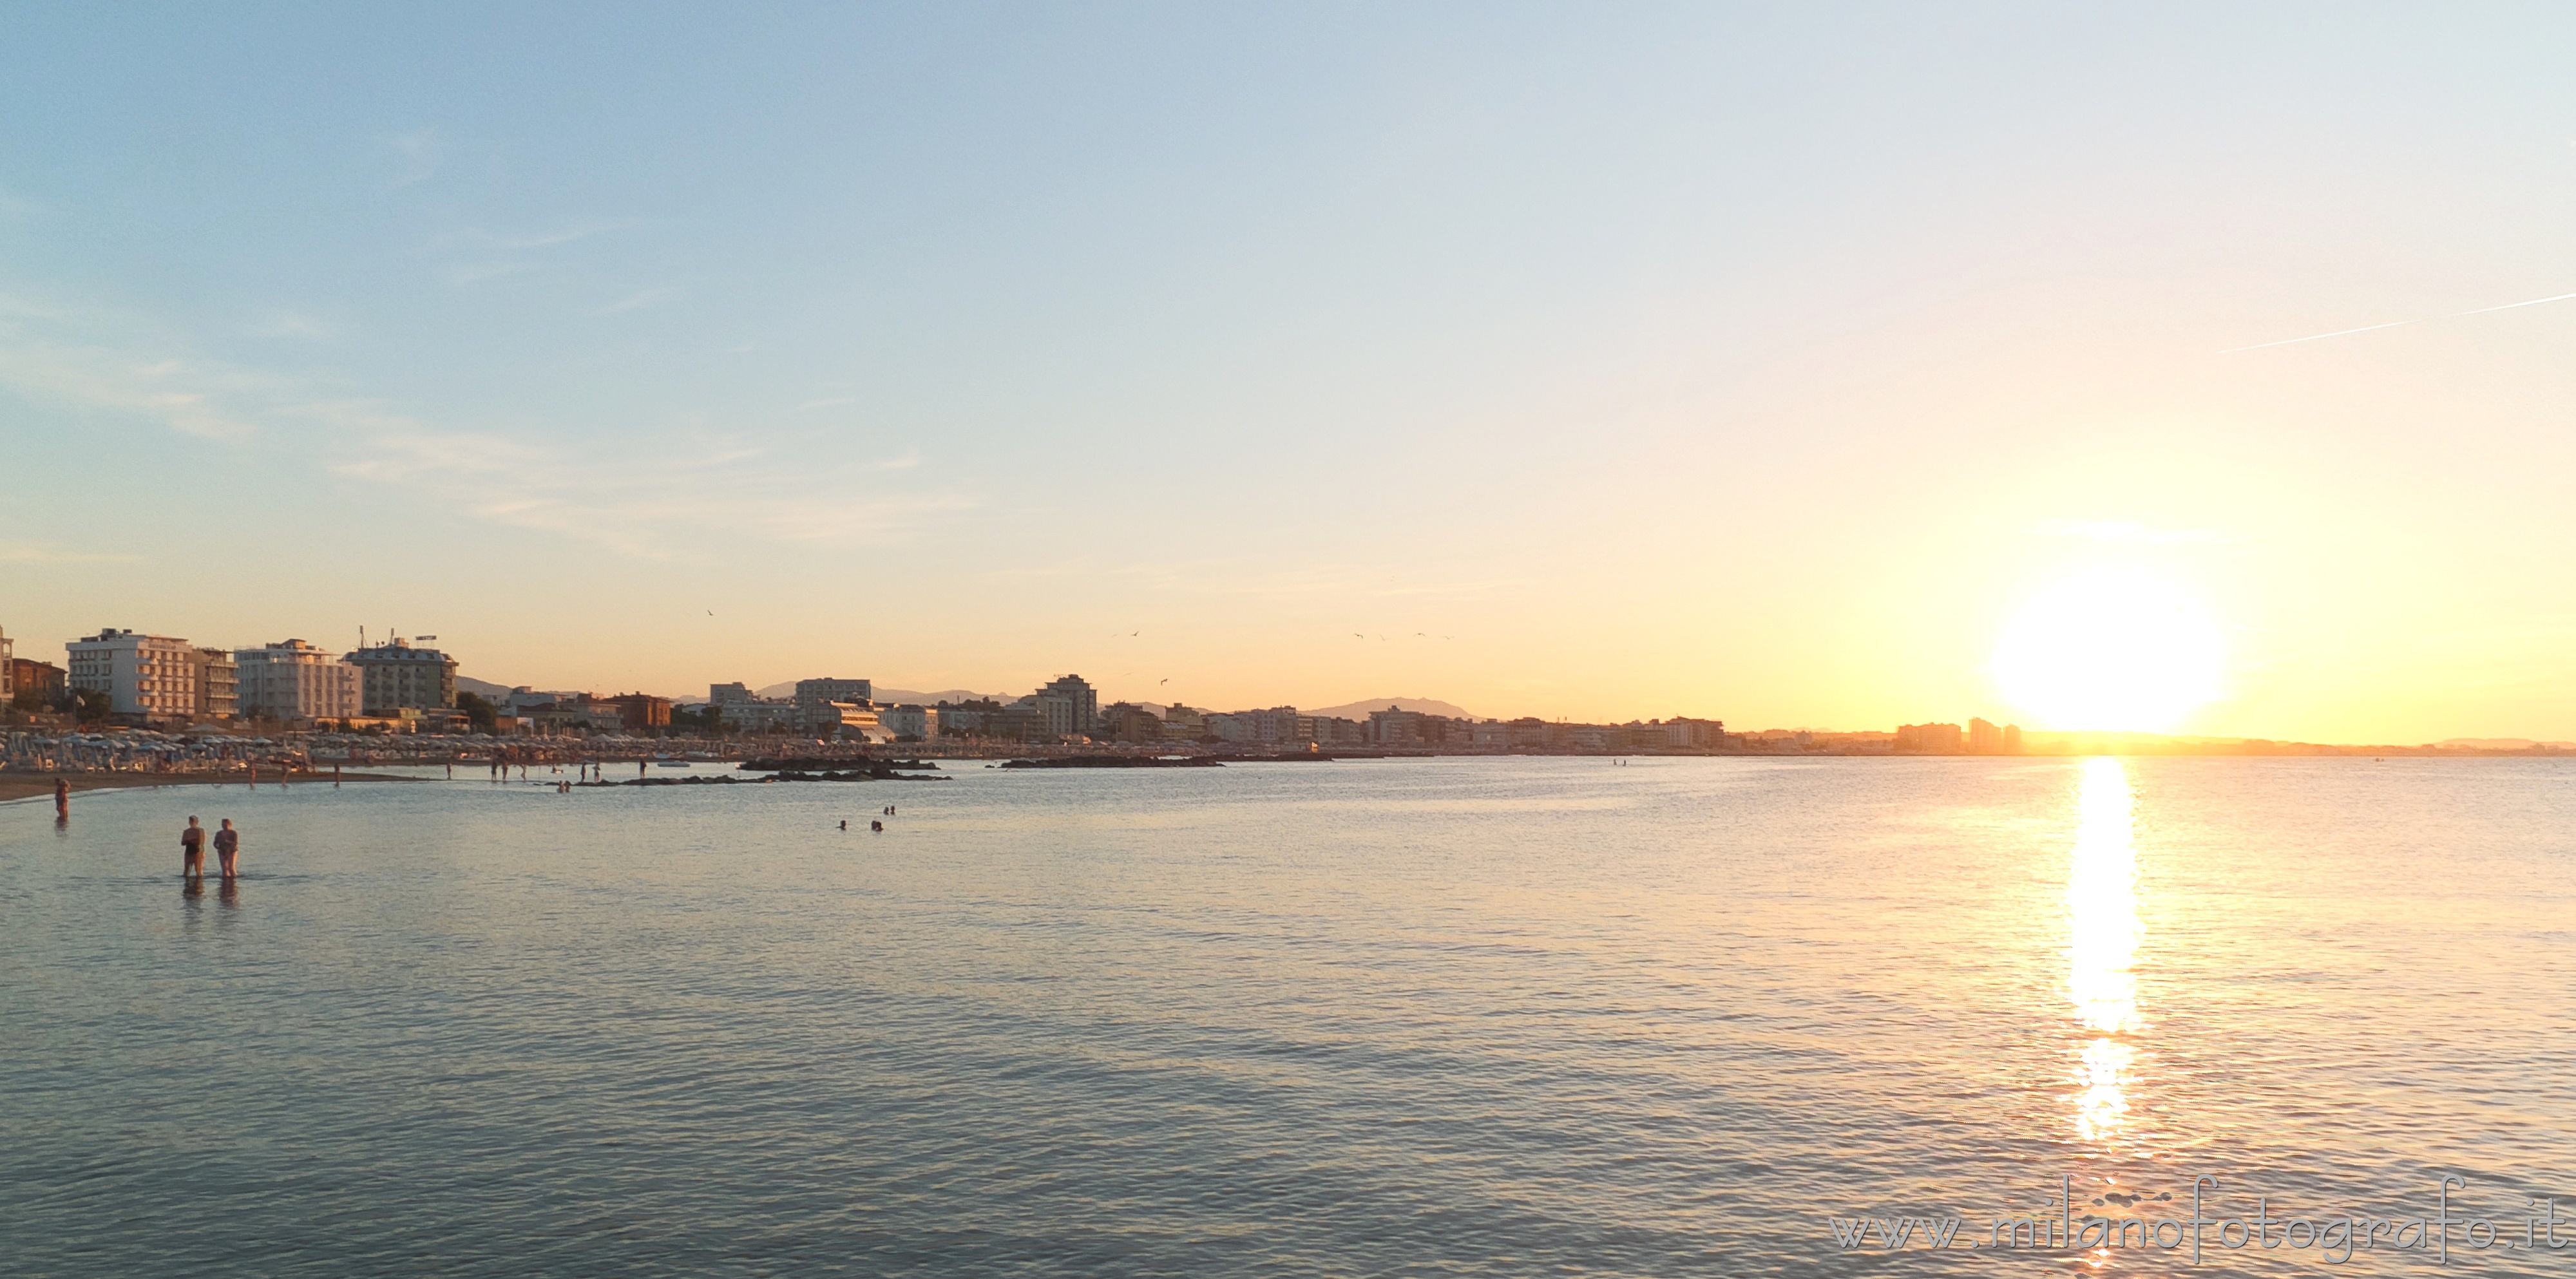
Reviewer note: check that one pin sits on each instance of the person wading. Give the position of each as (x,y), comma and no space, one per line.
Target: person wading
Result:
(192,851)
(228,849)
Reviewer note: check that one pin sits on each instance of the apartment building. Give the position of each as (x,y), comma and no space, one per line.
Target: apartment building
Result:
(217,681)
(395,675)
(1929,739)
(1068,706)
(637,712)
(815,692)
(44,679)
(753,716)
(1985,737)
(153,676)
(912,720)
(291,679)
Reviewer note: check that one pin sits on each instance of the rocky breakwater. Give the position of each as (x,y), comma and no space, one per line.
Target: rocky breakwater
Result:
(801,770)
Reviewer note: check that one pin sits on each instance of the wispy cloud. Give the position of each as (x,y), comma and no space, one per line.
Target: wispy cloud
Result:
(191,397)
(661,495)
(521,241)
(1485,587)
(288,324)
(832,402)
(1233,578)
(2129,531)
(417,155)
(477,254)
(640,300)
(465,273)
(660,503)
(55,553)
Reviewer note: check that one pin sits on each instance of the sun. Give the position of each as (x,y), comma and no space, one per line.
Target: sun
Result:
(2110,651)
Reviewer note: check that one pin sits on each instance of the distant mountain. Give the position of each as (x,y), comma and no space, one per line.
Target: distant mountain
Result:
(2499,743)
(905,695)
(483,688)
(1361,709)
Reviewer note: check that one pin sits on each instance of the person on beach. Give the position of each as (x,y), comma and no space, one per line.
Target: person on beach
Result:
(192,851)
(228,849)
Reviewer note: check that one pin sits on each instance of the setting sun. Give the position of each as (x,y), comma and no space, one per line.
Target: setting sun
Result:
(2110,651)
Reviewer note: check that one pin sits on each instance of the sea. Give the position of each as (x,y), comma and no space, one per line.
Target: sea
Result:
(1435,1017)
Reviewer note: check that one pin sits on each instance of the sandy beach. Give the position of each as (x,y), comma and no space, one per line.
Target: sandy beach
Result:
(18,786)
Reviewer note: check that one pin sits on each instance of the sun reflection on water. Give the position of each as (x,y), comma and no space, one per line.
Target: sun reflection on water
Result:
(2102,947)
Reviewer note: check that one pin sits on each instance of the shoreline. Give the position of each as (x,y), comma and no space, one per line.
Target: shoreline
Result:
(17,787)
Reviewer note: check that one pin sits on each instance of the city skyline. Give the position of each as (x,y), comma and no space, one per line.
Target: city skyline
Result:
(293,684)
(1598,368)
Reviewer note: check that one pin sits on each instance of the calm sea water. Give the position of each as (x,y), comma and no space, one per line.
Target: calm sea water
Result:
(1507,1017)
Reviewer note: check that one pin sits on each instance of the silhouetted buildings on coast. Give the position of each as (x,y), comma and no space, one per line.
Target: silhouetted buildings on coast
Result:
(405,686)
(123,677)
(1981,738)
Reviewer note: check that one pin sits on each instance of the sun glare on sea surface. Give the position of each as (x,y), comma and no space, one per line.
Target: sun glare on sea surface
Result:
(2110,651)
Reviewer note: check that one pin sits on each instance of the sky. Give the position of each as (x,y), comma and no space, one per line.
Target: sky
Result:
(1589,362)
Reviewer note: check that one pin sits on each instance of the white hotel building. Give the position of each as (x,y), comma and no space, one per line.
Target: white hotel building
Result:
(151,675)
(294,680)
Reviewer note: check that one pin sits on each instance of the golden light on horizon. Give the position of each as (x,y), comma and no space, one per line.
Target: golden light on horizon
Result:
(2110,651)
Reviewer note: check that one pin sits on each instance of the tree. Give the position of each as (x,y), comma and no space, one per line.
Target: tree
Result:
(484,716)
(93,705)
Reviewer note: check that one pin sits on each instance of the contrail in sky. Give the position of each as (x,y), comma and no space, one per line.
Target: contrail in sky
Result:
(2319,337)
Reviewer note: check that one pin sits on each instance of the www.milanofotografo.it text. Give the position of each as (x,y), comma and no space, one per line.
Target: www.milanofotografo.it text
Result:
(2334,1239)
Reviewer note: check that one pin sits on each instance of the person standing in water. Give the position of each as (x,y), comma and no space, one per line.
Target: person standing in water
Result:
(62,799)
(192,851)
(228,849)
